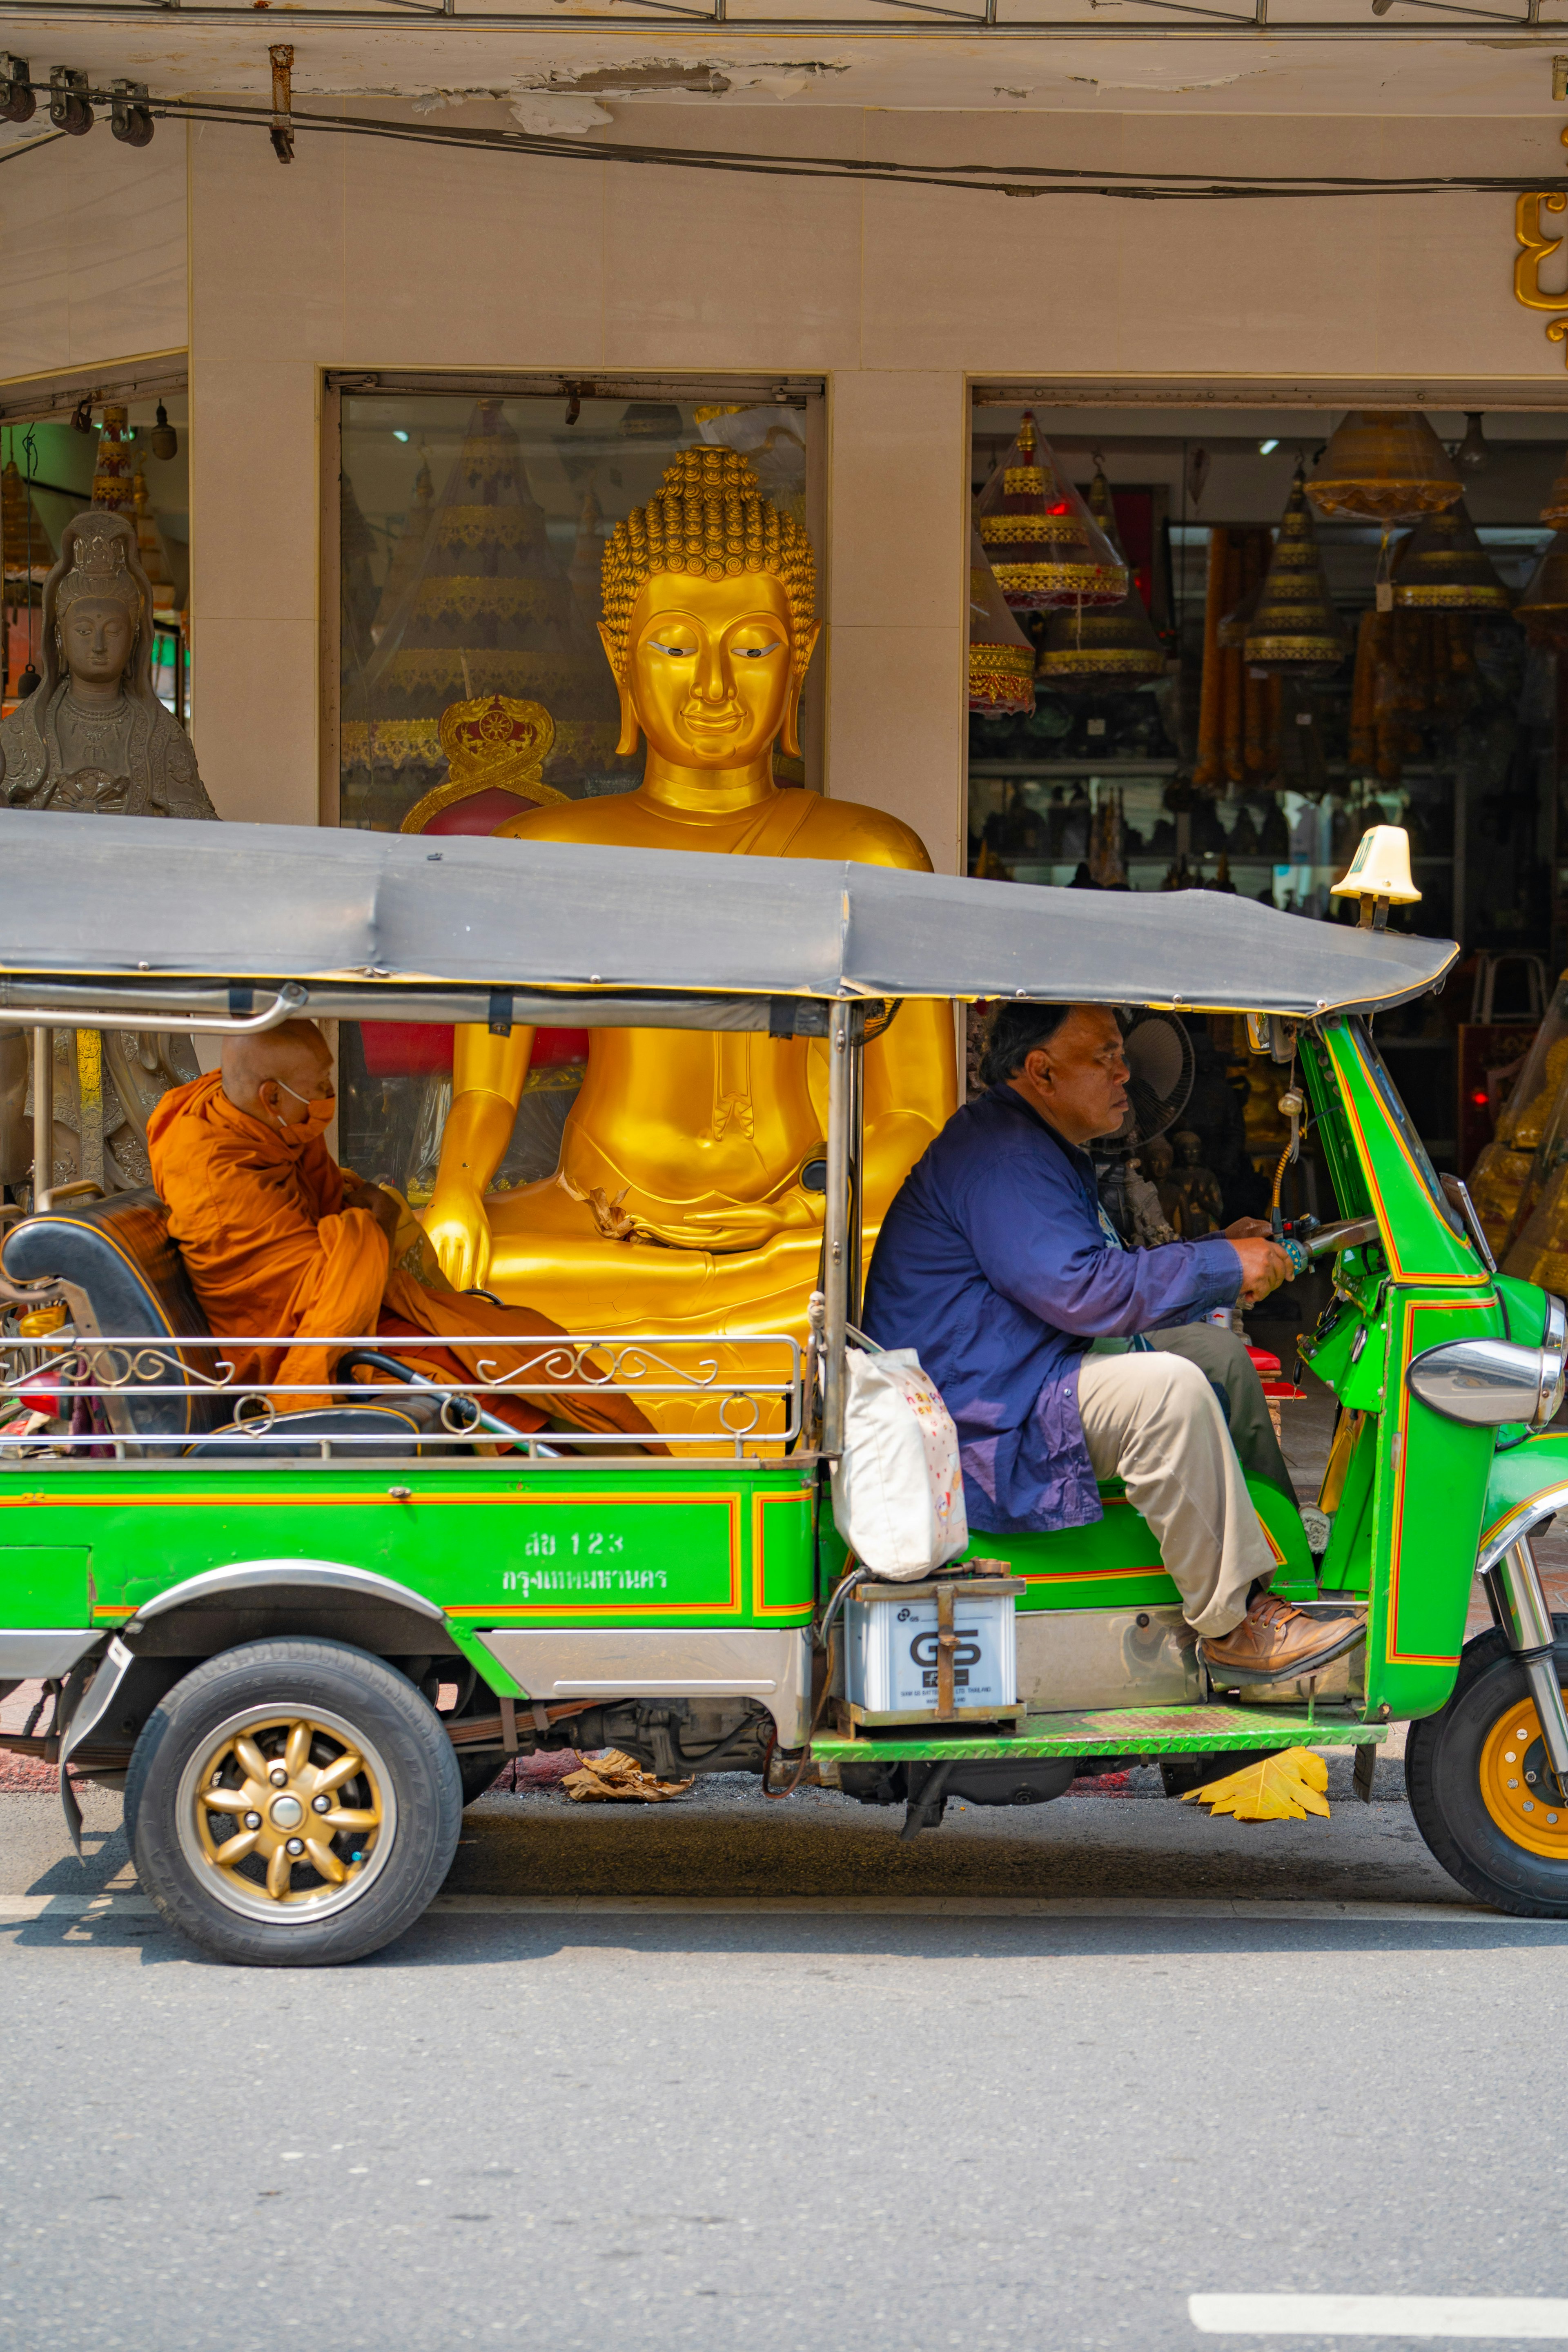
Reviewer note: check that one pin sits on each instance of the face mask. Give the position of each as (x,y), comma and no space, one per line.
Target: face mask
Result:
(319,1111)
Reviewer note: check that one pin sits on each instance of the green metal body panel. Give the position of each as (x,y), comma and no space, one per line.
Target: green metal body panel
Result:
(1410,1516)
(1526,1473)
(1111,1731)
(724,1544)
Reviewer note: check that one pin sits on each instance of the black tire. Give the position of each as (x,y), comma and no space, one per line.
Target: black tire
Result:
(1451,1764)
(480,1772)
(1485,1648)
(302,1706)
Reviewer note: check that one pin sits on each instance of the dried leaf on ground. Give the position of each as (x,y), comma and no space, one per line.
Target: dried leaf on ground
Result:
(1283,1787)
(618,1778)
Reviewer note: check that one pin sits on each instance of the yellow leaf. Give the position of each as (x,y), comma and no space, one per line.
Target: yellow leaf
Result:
(1283,1787)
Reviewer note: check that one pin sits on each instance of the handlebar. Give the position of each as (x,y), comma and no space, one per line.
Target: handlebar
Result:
(1348,1234)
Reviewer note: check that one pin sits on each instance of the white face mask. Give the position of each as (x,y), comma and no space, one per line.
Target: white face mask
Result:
(319,1109)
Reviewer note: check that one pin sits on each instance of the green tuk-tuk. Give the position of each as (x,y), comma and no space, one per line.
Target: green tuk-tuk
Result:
(301,1641)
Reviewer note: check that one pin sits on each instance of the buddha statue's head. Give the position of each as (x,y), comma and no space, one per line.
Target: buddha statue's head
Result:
(97,607)
(710,624)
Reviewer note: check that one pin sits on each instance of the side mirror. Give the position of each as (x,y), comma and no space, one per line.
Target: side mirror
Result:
(1488,1383)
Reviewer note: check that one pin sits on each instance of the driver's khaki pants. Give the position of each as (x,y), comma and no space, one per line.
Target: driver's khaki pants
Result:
(1153,1422)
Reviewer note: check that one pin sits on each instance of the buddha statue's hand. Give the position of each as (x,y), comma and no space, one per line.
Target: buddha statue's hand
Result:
(459,1233)
(740,1228)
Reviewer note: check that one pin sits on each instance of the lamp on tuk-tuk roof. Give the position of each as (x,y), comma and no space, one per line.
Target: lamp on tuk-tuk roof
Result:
(1379,876)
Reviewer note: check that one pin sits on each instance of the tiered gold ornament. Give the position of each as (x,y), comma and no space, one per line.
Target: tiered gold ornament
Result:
(1386,464)
(486,609)
(1442,567)
(112,474)
(1041,541)
(1101,648)
(1001,659)
(1296,632)
(1555,510)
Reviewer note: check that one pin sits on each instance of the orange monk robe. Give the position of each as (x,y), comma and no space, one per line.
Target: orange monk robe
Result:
(272,1252)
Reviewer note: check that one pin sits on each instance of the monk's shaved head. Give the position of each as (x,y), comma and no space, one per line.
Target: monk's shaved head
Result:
(274,1073)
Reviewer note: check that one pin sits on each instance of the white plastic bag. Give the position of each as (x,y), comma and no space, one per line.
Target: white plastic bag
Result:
(898,1489)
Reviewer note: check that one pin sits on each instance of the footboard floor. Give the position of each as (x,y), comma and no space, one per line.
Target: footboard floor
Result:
(1111,1731)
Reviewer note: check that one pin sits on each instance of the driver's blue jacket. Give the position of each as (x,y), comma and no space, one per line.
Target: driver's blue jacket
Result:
(995,1263)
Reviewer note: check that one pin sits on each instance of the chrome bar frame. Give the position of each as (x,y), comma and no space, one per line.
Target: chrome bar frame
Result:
(43,1118)
(836,1226)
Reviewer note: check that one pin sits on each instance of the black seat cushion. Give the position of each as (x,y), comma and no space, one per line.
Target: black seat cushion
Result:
(119,1253)
(411,1425)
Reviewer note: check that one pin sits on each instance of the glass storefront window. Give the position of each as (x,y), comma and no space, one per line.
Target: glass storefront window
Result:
(1207,773)
(47,477)
(473,684)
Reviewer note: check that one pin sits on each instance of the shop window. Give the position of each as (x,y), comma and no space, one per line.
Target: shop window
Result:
(47,467)
(473,684)
(1203,771)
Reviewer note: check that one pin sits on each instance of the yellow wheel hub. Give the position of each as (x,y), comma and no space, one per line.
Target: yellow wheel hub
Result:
(287,1812)
(1518,1788)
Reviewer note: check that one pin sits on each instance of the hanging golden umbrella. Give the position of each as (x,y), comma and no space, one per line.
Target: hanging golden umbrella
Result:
(1001,659)
(1296,632)
(1443,567)
(1555,510)
(1387,464)
(1105,648)
(1042,542)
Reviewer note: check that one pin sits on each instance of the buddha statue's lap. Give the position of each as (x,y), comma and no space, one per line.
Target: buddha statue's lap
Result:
(679,1205)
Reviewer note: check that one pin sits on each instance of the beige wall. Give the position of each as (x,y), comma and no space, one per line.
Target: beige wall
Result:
(94,239)
(364,255)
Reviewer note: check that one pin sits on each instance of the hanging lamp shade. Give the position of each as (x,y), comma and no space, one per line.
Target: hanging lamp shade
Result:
(1104,647)
(1295,632)
(1387,464)
(1442,567)
(1001,659)
(1544,607)
(1040,539)
(1555,510)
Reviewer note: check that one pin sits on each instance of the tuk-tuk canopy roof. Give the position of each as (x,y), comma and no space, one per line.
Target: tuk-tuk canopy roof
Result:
(178,902)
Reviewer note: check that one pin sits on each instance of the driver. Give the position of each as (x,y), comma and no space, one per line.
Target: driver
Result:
(997,1263)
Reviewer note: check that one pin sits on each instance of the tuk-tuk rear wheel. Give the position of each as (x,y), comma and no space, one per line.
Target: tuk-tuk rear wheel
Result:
(334,1775)
(1500,1833)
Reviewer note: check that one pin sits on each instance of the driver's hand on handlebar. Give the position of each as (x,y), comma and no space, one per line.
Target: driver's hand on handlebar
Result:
(1264,1266)
(1246,1229)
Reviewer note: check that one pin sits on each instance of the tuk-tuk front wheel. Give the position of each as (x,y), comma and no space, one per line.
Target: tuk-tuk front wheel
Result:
(1483,1794)
(293,1803)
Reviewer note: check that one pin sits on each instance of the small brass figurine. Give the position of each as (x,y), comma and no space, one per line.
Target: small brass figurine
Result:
(1195,1190)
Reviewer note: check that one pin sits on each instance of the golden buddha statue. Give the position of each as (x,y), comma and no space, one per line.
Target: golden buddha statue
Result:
(680,1202)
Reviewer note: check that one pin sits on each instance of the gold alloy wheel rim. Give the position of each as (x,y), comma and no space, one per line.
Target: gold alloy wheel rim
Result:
(286,1816)
(1517,1786)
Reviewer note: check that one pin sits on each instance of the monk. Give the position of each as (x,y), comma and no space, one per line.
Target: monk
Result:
(279,1240)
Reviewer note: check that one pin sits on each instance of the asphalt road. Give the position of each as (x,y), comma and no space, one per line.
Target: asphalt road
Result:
(720,2073)
(723,2075)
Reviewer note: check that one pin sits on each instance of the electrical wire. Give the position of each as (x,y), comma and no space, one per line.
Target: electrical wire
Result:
(1022,180)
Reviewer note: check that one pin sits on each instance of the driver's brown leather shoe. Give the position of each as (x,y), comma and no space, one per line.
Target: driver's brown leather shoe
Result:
(1275,1643)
